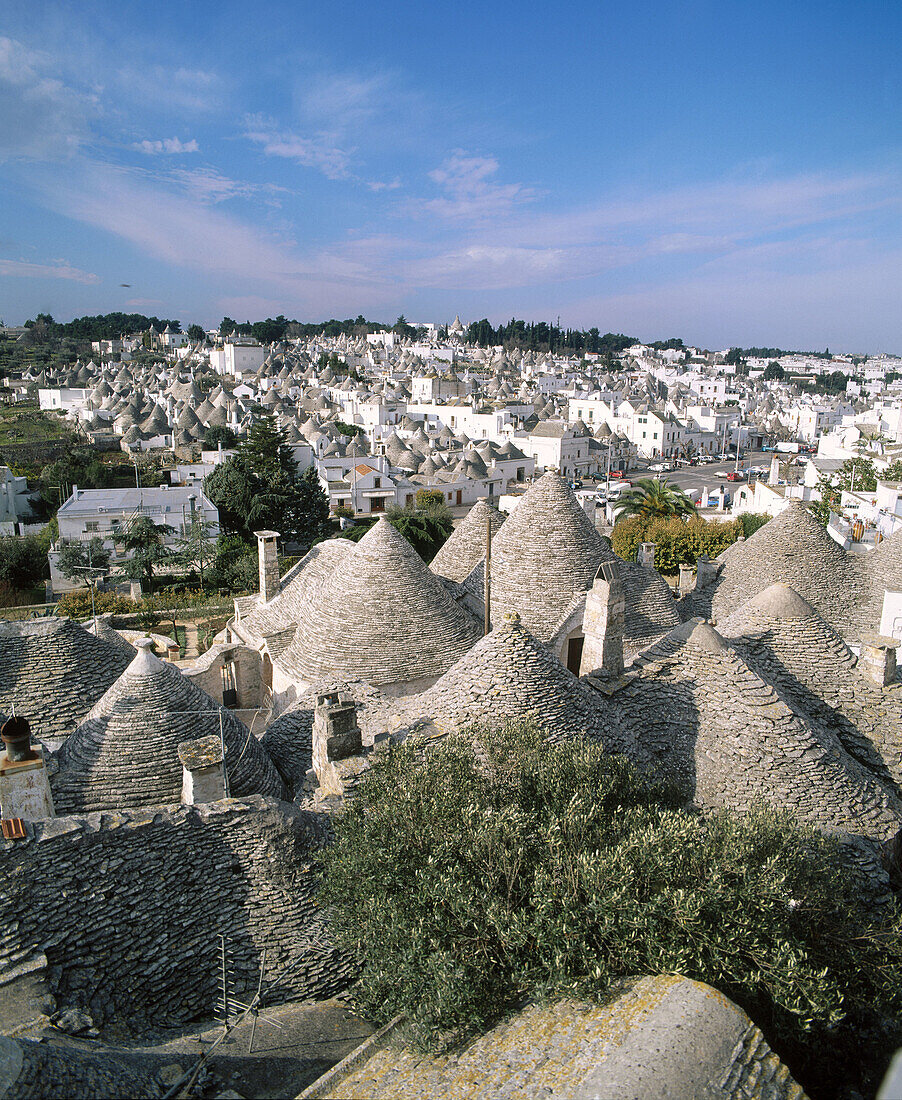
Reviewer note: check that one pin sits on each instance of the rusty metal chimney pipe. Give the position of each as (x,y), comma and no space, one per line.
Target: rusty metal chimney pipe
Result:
(16,736)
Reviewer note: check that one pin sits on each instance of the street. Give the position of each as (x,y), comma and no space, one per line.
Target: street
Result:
(712,475)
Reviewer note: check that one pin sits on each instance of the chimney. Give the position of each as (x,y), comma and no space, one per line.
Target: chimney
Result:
(24,785)
(774,475)
(687,579)
(267,553)
(705,571)
(203,770)
(646,555)
(603,622)
(877,660)
(336,737)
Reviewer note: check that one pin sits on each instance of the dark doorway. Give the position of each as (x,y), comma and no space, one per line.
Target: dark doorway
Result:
(575,654)
(460,497)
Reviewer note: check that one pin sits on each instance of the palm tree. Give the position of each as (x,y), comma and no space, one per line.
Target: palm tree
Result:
(652,498)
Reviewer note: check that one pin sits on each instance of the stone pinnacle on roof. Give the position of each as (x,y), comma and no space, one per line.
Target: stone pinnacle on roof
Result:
(125,752)
(379,616)
(465,546)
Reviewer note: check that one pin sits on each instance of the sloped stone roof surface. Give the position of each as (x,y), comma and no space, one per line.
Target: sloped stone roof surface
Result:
(465,546)
(302,583)
(547,554)
(509,675)
(712,725)
(379,616)
(787,643)
(125,753)
(52,671)
(793,548)
(661,1036)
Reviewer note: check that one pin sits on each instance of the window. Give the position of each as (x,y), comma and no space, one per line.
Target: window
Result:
(377,482)
(92,525)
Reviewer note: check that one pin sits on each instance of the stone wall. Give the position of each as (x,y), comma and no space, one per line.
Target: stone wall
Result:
(206,673)
(128,908)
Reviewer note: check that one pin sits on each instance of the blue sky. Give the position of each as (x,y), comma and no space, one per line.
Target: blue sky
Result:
(726,172)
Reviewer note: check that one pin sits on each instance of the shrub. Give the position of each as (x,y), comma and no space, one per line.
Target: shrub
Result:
(677,541)
(500,867)
(77,604)
(751,522)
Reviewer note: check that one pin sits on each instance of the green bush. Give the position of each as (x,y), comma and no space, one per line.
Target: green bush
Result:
(499,867)
(77,604)
(677,541)
(751,522)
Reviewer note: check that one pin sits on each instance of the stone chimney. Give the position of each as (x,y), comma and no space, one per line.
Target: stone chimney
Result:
(24,784)
(878,658)
(646,555)
(268,555)
(706,571)
(774,475)
(336,738)
(603,624)
(203,770)
(687,579)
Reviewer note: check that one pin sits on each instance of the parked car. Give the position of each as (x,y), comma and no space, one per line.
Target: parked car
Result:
(736,475)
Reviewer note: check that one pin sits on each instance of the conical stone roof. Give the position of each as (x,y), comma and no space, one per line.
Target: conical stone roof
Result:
(380,616)
(125,752)
(465,546)
(796,549)
(508,675)
(53,671)
(785,641)
(726,736)
(546,556)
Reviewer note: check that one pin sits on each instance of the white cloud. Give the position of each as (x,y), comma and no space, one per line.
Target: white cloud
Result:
(319,151)
(170,146)
(470,192)
(40,117)
(181,89)
(58,269)
(382,185)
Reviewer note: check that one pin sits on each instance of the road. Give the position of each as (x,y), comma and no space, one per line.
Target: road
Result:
(712,475)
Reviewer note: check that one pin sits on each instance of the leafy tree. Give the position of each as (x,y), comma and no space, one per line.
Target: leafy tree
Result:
(23,562)
(77,557)
(857,473)
(311,506)
(196,333)
(653,497)
(260,487)
(198,545)
(893,472)
(774,372)
(235,564)
(677,541)
(350,429)
(521,867)
(143,539)
(402,328)
(219,433)
(227,326)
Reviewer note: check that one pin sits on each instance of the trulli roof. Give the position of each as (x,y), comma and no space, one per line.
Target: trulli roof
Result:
(380,616)
(125,752)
